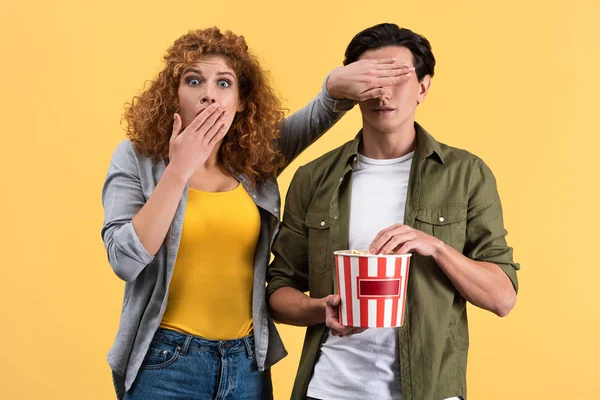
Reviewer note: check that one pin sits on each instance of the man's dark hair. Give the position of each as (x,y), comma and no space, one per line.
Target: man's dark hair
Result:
(384,35)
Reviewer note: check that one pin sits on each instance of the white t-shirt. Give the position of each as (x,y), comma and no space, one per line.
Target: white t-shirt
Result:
(366,366)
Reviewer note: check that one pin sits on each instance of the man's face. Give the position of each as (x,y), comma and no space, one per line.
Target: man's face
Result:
(389,113)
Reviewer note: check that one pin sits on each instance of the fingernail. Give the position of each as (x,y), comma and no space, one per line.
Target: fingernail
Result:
(223,104)
(225,113)
(381,92)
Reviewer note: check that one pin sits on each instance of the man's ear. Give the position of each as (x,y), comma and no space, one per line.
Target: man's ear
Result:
(424,85)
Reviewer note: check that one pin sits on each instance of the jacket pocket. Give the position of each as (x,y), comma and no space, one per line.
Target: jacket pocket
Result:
(447,223)
(318,226)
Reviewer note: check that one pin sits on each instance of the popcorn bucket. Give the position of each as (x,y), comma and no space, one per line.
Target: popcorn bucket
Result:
(372,288)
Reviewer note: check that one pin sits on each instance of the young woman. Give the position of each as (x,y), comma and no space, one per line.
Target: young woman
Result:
(191,208)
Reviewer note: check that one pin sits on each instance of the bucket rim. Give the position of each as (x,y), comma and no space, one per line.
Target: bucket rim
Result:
(349,254)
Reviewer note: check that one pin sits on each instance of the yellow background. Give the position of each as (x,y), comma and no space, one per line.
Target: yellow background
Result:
(516,83)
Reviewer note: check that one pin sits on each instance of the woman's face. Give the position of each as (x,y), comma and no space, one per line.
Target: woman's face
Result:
(208,80)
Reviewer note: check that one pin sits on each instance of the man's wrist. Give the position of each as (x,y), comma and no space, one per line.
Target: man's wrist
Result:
(440,252)
(316,308)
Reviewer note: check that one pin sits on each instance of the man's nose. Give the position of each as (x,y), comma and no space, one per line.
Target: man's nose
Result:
(387,94)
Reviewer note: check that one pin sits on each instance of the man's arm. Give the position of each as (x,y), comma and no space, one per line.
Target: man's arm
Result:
(287,275)
(291,306)
(485,274)
(295,308)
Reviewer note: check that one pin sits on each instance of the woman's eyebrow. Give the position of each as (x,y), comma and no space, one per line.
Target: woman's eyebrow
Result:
(226,73)
(198,72)
(195,71)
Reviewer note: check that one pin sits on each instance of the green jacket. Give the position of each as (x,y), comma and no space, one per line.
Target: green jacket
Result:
(451,195)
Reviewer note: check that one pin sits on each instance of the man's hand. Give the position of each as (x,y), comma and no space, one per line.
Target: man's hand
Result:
(366,79)
(483,284)
(400,239)
(332,318)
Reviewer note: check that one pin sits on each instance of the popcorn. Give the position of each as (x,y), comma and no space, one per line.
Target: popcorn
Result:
(372,288)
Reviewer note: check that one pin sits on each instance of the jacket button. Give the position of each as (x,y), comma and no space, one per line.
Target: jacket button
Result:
(276,209)
(441,219)
(322,223)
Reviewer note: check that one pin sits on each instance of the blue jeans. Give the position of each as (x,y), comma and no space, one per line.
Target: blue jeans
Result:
(185,367)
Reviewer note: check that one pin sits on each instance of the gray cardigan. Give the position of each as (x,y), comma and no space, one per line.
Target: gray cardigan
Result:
(129,183)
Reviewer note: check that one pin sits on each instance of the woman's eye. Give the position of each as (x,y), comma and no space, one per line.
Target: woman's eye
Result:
(193,81)
(223,83)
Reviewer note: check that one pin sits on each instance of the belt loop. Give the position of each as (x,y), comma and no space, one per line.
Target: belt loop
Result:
(186,344)
(249,351)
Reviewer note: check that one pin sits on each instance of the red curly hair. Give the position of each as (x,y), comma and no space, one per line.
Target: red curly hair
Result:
(250,146)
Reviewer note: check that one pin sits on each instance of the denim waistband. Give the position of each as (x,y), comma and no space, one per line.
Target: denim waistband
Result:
(189,342)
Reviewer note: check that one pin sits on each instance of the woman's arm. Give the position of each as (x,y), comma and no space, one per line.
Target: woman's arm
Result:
(122,198)
(135,229)
(358,81)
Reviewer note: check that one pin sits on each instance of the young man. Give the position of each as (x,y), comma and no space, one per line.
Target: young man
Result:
(393,189)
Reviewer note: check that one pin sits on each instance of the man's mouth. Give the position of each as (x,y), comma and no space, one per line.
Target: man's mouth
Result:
(384,110)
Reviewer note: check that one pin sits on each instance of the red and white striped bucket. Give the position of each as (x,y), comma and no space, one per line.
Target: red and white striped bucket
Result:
(372,288)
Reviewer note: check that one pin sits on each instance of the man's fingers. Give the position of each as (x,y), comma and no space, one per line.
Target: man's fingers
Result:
(408,246)
(340,329)
(335,333)
(384,235)
(356,331)
(332,318)
(396,241)
(333,300)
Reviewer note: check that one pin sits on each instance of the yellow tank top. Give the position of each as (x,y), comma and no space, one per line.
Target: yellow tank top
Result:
(210,294)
